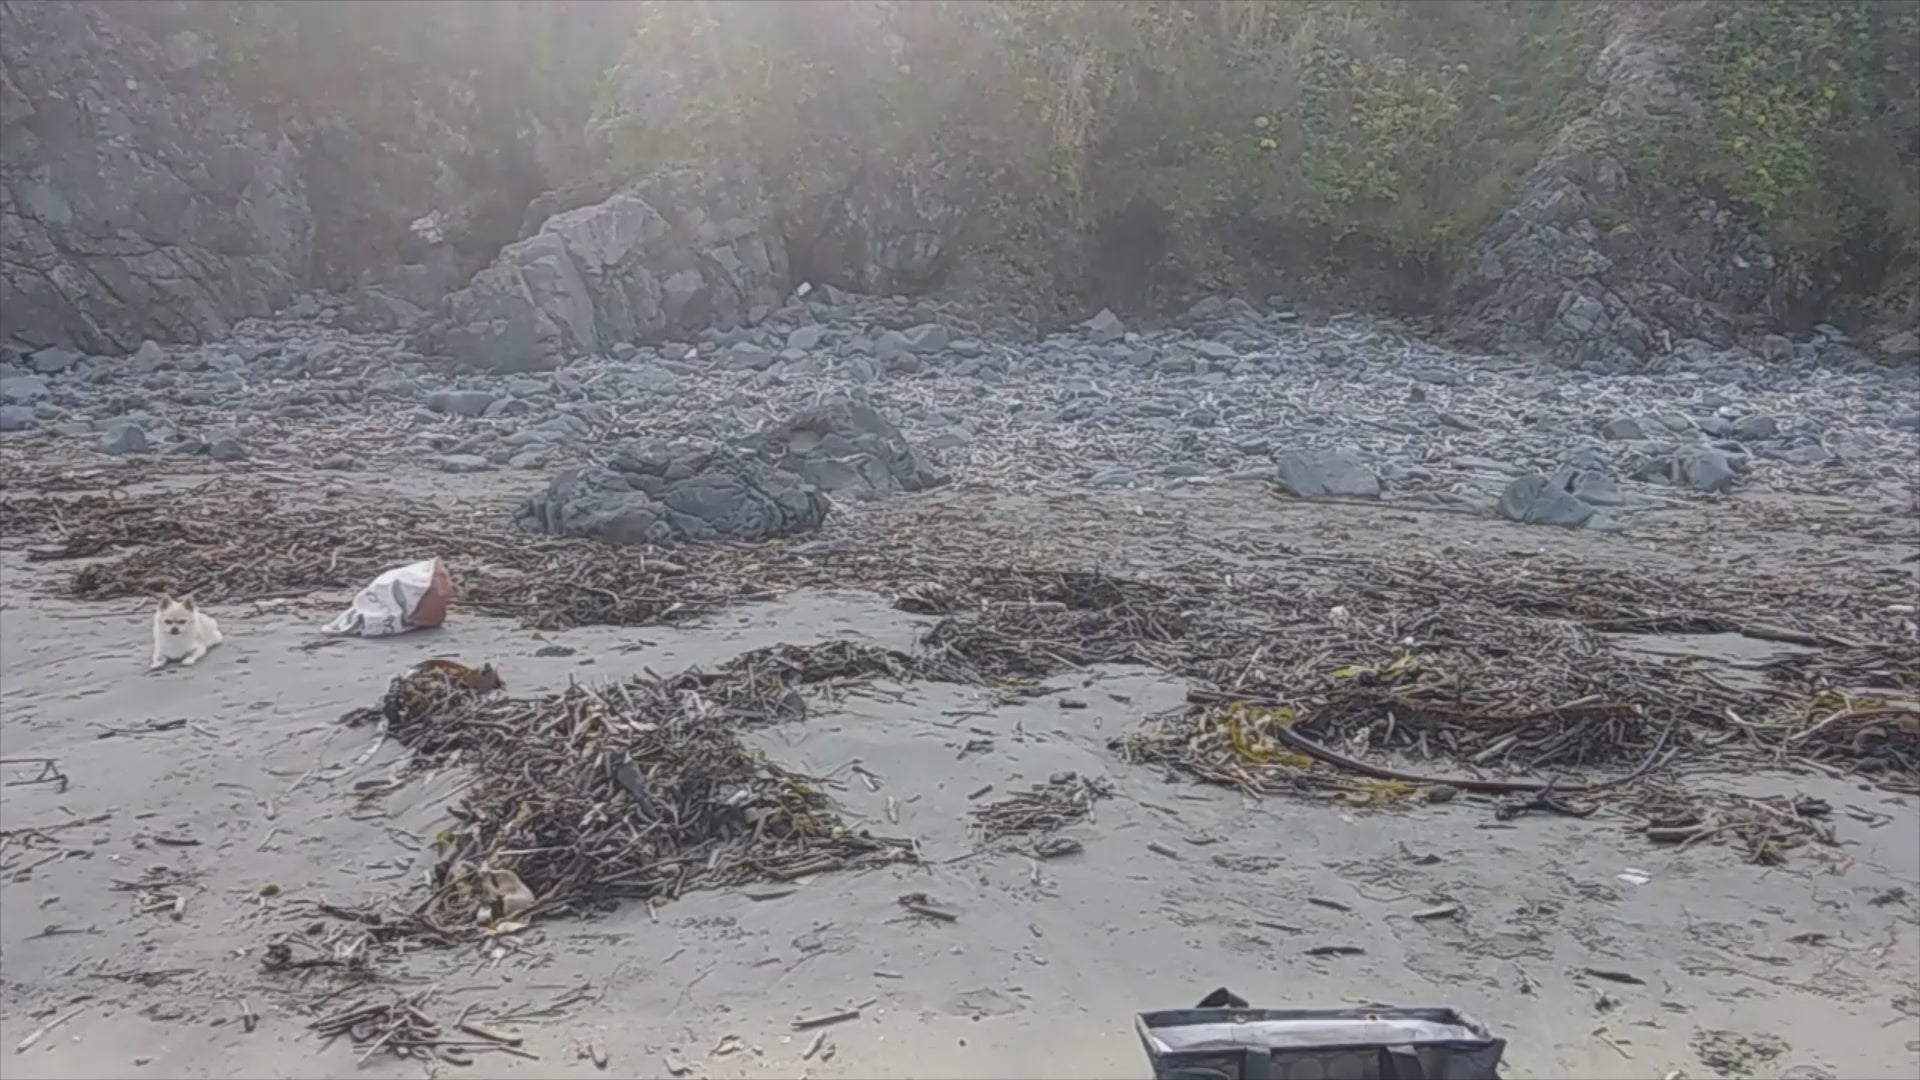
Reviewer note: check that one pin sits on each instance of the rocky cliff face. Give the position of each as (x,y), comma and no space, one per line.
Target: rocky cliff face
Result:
(137,197)
(676,255)
(1605,266)
(146,191)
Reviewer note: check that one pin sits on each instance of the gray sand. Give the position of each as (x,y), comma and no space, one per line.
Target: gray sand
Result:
(1047,963)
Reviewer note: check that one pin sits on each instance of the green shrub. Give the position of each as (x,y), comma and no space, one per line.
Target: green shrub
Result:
(1813,124)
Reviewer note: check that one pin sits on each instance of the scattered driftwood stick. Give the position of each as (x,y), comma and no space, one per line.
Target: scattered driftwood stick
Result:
(41,1032)
(823,1020)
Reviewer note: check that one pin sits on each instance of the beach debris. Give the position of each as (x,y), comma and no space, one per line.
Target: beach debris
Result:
(921,904)
(1625,978)
(42,1031)
(1543,800)
(836,1017)
(48,773)
(640,789)
(1066,798)
(401,1027)
(1054,847)
(404,598)
(1503,670)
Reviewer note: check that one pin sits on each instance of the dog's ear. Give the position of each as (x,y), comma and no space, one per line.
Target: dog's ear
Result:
(187,601)
(164,599)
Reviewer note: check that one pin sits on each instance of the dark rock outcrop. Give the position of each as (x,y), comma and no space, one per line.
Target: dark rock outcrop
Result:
(1318,475)
(893,229)
(675,493)
(137,197)
(684,253)
(770,484)
(1603,266)
(1537,500)
(848,449)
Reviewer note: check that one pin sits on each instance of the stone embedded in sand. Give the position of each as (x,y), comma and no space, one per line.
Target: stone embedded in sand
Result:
(890,345)
(1806,454)
(1709,471)
(22,389)
(464,463)
(124,439)
(1591,486)
(1310,475)
(460,402)
(17,418)
(928,338)
(746,356)
(1536,500)
(1623,427)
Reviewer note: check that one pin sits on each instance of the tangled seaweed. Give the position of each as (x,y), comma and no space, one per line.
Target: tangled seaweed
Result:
(641,789)
(1506,672)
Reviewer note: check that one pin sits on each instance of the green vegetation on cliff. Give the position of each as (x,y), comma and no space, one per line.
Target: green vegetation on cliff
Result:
(1390,132)
(1813,125)
(1403,124)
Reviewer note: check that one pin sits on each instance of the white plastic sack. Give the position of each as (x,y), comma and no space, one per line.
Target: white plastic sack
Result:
(401,599)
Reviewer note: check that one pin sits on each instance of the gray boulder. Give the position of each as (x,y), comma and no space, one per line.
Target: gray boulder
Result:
(54,361)
(124,439)
(1309,475)
(460,402)
(927,339)
(464,463)
(1623,427)
(1756,428)
(227,448)
(846,448)
(806,337)
(558,428)
(1537,500)
(1590,486)
(675,494)
(22,389)
(1105,328)
(1806,454)
(17,418)
(746,356)
(1709,471)
(685,252)
(891,345)
(1906,421)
